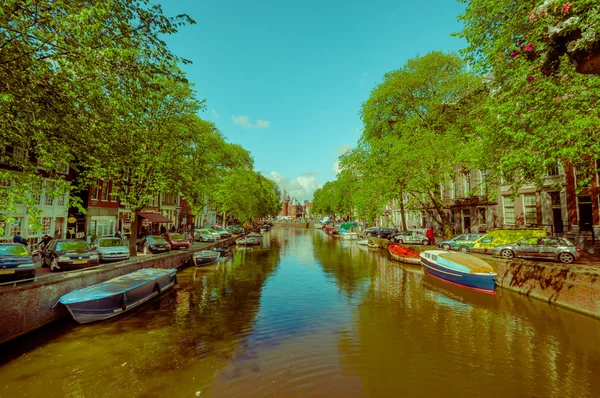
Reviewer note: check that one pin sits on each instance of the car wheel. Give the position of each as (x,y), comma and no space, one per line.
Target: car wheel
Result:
(400,241)
(566,258)
(424,242)
(464,249)
(44,264)
(446,246)
(507,253)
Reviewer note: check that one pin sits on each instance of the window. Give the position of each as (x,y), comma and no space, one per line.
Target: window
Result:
(60,201)
(482,219)
(467,178)
(554,198)
(4,187)
(48,199)
(582,177)
(37,195)
(508,205)
(105,189)
(96,191)
(452,189)
(15,226)
(46,224)
(484,182)
(553,170)
(530,208)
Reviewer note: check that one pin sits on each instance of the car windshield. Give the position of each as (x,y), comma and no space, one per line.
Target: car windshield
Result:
(176,236)
(155,239)
(218,228)
(13,250)
(111,242)
(74,245)
(212,231)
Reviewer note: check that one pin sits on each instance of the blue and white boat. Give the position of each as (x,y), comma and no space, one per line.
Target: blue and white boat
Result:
(116,296)
(459,269)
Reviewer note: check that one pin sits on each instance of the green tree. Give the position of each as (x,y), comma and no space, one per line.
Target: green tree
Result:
(418,127)
(538,115)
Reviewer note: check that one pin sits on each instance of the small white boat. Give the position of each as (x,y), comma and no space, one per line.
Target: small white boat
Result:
(318,225)
(363,242)
(206,257)
(248,241)
(348,235)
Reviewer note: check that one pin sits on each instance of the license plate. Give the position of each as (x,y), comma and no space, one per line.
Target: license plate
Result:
(161,248)
(7,271)
(80,262)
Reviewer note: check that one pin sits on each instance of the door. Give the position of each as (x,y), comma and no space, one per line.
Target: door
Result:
(528,247)
(585,212)
(548,248)
(558,222)
(466,220)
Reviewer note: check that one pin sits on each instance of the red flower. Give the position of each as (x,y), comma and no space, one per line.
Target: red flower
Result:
(548,73)
(530,78)
(514,54)
(545,38)
(566,8)
(528,47)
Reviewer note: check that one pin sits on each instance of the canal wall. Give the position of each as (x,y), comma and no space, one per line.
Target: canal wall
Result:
(570,286)
(27,306)
(573,286)
(293,224)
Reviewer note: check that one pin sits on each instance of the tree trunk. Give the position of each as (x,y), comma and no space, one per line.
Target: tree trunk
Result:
(224,219)
(403,213)
(134,234)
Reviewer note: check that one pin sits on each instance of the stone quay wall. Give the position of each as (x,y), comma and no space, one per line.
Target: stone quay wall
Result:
(27,306)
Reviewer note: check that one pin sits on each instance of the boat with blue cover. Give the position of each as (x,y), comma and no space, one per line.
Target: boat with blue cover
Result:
(118,295)
(460,269)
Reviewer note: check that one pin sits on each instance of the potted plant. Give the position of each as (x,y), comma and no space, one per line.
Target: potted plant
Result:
(558,28)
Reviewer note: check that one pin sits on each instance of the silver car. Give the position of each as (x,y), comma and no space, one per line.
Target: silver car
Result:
(560,249)
(205,235)
(111,249)
(410,237)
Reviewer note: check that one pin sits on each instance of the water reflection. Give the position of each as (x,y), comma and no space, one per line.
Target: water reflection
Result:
(304,314)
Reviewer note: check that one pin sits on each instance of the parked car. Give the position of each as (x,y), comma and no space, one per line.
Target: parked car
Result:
(204,235)
(65,254)
(176,240)
(15,262)
(498,237)
(463,242)
(381,232)
(560,249)
(409,237)
(153,244)
(221,231)
(111,249)
(235,229)
(214,233)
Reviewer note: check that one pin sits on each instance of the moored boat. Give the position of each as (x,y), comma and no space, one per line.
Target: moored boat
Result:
(318,225)
(460,269)
(248,240)
(348,235)
(222,250)
(265,228)
(363,242)
(206,257)
(115,296)
(403,254)
(254,235)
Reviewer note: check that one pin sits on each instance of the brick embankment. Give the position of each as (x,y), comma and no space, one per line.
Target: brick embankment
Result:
(31,305)
(574,286)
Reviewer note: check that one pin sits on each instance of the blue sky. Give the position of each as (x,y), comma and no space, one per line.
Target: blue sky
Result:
(287,79)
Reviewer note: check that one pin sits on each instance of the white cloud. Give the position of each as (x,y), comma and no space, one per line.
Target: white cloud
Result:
(245,122)
(262,124)
(215,114)
(342,149)
(301,187)
(336,168)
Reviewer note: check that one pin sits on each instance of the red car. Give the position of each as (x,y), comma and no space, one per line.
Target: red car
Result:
(176,240)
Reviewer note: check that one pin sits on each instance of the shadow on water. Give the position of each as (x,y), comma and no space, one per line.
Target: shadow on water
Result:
(191,332)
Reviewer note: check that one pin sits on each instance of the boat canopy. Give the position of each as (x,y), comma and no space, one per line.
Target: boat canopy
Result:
(155,218)
(348,225)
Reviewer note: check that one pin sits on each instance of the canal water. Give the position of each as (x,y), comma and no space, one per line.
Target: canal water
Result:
(307,315)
